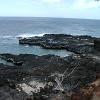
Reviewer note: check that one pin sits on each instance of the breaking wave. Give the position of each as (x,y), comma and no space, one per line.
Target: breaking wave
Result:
(24,35)
(30,35)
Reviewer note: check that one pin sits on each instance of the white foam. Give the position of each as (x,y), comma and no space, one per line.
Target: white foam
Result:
(26,35)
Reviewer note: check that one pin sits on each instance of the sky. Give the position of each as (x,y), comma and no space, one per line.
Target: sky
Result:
(89,9)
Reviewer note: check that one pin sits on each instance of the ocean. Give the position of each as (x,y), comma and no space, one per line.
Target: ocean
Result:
(13,27)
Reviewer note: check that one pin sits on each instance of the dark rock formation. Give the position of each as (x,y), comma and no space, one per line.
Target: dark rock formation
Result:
(97,44)
(45,66)
(6,93)
(77,44)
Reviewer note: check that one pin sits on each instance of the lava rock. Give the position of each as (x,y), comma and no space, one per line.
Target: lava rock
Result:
(97,44)
(76,44)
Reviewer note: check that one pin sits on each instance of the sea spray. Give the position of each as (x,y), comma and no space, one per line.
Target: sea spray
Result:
(28,35)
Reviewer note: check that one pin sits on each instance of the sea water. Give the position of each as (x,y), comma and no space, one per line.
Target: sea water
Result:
(13,27)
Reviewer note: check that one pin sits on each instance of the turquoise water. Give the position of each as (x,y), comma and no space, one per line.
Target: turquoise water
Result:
(12,28)
(5,62)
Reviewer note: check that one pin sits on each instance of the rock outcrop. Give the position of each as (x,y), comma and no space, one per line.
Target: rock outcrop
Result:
(76,44)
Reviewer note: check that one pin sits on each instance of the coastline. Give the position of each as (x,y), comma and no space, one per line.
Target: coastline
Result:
(61,75)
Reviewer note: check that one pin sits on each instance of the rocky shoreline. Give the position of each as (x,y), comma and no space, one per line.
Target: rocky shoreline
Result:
(51,77)
(76,44)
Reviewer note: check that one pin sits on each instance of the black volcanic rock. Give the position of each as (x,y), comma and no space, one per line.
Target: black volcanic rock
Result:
(25,67)
(97,44)
(77,44)
(7,93)
(45,66)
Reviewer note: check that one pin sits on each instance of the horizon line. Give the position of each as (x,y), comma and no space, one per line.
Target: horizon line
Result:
(47,17)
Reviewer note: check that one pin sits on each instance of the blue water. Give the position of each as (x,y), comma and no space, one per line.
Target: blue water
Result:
(12,27)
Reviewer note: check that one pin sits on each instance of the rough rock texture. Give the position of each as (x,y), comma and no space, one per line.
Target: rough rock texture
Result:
(76,44)
(49,68)
(46,65)
(7,93)
(97,44)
